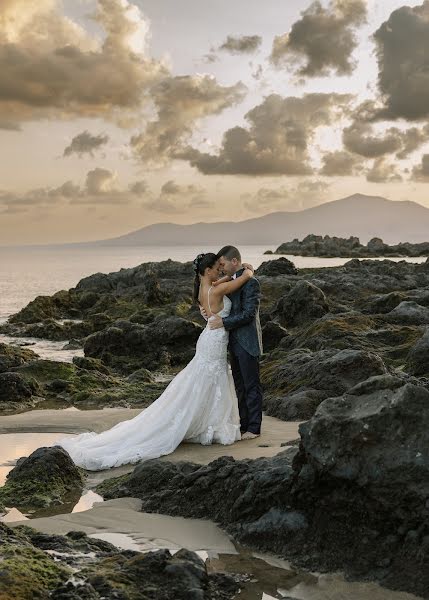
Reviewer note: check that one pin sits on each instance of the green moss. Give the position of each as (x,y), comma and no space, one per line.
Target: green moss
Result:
(28,573)
(106,487)
(46,370)
(34,494)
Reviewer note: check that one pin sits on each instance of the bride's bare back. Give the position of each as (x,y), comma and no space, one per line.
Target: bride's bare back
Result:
(211,296)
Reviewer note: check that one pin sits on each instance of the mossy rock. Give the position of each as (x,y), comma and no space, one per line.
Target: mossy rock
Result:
(14,356)
(47,477)
(28,573)
(44,370)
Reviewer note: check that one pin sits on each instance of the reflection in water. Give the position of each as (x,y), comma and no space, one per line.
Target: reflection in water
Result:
(87,501)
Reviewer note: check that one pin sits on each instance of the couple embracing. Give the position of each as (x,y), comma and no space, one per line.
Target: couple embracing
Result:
(203,404)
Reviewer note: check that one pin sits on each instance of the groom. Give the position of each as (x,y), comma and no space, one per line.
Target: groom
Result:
(245,343)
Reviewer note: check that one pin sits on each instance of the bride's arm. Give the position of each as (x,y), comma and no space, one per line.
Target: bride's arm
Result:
(221,280)
(229,287)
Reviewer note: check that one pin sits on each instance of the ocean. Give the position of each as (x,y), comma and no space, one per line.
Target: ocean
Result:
(27,272)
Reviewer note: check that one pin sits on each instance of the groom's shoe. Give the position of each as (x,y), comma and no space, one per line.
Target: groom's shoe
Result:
(248,435)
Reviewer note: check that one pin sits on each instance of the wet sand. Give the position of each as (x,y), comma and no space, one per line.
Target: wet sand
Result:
(275,432)
(149,531)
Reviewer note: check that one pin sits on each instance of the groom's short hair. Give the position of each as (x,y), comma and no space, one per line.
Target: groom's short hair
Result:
(229,252)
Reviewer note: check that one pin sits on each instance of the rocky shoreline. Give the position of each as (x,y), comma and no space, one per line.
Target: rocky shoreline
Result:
(347,350)
(337,247)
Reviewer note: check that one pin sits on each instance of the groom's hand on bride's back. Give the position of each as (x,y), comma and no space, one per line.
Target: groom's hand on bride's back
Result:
(203,313)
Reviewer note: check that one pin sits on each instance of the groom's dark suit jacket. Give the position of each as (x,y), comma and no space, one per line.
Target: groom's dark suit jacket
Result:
(243,322)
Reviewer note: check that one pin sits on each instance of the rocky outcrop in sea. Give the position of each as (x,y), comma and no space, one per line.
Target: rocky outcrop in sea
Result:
(333,247)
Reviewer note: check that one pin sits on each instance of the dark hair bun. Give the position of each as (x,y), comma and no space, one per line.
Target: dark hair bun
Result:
(197,262)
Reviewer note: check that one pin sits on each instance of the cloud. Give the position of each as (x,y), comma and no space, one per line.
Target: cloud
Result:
(139,188)
(421,172)
(305,194)
(322,40)
(100,188)
(276,141)
(175,198)
(412,139)
(85,143)
(402,50)
(100,181)
(360,138)
(53,68)
(383,172)
(244,44)
(340,163)
(180,102)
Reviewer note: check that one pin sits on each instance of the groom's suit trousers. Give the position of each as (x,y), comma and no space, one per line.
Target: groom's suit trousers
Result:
(245,371)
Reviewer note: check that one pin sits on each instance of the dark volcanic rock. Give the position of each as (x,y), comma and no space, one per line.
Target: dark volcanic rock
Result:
(355,498)
(327,246)
(296,406)
(305,302)
(272,334)
(90,364)
(316,376)
(15,389)
(409,313)
(84,568)
(14,356)
(47,477)
(129,346)
(364,464)
(418,358)
(226,490)
(57,306)
(273,268)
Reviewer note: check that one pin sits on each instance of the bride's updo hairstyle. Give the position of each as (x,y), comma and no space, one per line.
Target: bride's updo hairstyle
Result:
(201,263)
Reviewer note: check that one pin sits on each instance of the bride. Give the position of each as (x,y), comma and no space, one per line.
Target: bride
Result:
(199,405)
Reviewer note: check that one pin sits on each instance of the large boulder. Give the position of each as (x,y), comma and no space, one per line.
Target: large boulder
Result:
(362,480)
(305,302)
(60,305)
(273,268)
(15,389)
(409,313)
(129,346)
(297,381)
(47,477)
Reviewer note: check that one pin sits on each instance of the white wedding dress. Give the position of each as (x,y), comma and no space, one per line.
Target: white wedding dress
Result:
(199,405)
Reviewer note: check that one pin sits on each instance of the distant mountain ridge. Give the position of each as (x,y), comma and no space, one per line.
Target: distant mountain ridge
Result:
(357,215)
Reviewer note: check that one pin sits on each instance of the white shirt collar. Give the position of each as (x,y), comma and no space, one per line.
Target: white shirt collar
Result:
(234,276)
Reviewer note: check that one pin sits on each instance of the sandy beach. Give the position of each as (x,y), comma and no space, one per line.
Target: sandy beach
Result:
(122,516)
(275,432)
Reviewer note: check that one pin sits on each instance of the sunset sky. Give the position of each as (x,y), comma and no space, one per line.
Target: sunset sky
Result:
(115,114)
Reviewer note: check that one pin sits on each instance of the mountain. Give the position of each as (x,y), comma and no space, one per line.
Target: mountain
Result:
(357,215)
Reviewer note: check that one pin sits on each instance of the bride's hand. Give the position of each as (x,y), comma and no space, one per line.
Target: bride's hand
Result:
(248,266)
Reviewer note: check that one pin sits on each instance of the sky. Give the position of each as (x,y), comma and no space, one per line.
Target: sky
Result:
(117,114)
